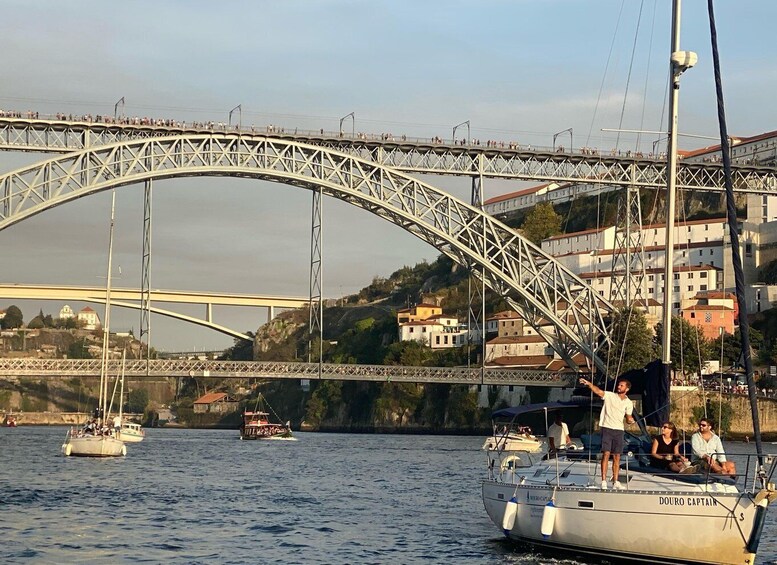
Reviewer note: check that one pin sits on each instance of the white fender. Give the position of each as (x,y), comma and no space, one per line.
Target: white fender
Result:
(67,449)
(511,511)
(124,450)
(548,519)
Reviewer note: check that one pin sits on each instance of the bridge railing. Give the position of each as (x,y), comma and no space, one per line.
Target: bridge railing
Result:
(58,368)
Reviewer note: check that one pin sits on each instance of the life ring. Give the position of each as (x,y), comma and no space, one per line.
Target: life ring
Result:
(509,463)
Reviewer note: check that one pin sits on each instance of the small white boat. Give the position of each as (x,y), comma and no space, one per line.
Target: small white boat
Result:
(131,432)
(518,438)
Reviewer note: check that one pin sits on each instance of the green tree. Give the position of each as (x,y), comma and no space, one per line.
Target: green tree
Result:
(36,323)
(715,411)
(397,403)
(13,318)
(689,347)
(412,353)
(242,350)
(137,401)
(79,349)
(632,342)
(732,346)
(542,222)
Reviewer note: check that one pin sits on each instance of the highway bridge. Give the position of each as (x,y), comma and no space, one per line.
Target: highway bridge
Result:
(131,298)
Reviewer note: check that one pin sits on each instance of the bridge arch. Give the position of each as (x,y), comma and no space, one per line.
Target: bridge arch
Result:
(531,281)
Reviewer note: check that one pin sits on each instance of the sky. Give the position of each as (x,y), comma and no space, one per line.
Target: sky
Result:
(517,70)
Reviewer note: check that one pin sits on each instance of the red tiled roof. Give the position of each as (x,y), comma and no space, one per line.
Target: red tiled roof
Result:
(515,339)
(531,361)
(506,315)
(211,397)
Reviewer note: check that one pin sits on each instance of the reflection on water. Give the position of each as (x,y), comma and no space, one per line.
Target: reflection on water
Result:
(204,496)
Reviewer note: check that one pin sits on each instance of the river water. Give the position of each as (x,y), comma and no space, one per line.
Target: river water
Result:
(204,496)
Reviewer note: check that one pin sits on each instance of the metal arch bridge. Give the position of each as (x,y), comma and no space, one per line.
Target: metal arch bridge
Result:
(95,294)
(415,156)
(530,280)
(156,368)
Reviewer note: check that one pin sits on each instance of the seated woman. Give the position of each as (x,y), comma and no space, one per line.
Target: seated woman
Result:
(665,453)
(708,450)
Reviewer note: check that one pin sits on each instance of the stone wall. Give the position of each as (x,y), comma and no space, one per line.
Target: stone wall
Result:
(684,399)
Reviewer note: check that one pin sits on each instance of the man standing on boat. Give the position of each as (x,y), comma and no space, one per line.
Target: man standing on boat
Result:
(617,406)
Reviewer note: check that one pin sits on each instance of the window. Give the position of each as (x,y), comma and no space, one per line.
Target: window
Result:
(703,274)
(748,249)
(437,339)
(690,275)
(690,288)
(676,289)
(676,305)
(701,252)
(693,315)
(708,317)
(677,276)
(411,330)
(711,252)
(703,287)
(651,277)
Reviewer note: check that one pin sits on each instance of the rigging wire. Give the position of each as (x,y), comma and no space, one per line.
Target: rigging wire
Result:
(604,76)
(628,75)
(647,76)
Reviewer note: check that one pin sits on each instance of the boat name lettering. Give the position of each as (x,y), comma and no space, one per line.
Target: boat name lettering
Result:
(536,498)
(686,501)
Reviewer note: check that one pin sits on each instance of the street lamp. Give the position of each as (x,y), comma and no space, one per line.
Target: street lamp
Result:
(239,109)
(656,142)
(353,124)
(468,140)
(116,108)
(555,135)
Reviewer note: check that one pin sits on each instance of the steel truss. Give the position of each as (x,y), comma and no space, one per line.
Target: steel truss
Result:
(163,368)
(540,289)
(416,156)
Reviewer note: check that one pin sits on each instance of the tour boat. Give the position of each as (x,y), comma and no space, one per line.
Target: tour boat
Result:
(10,421)
(256,424)
(96,438)
(558,503)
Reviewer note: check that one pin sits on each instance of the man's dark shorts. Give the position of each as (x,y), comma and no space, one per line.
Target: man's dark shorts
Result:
(612,440)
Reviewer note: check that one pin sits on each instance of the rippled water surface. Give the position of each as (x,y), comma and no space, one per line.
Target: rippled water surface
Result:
(204,496)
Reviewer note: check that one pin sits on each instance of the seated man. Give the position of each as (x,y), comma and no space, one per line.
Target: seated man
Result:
(708,450)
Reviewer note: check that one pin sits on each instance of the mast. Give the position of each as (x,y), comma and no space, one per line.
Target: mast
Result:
(680,62)
(103,401)
(731,219)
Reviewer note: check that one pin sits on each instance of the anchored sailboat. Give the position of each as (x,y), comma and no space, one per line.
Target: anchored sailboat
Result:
(661,516)
(96,438)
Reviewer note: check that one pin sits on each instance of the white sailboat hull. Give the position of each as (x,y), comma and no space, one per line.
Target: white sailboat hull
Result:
(94,446)
(656,520)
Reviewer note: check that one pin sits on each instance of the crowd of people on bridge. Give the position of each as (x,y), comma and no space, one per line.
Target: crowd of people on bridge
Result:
(211,125)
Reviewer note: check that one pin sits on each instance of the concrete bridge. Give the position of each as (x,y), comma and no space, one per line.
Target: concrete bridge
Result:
(121,296)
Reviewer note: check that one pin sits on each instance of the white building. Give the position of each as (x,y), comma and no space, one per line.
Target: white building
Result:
(89,318)
(66,313)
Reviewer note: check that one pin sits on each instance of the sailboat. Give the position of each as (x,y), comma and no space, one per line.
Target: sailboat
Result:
(96,438)
(558,503)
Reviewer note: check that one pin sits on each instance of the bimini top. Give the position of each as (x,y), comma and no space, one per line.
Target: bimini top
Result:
(515,411)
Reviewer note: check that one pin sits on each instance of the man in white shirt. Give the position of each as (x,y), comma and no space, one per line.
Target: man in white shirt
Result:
(617,406)
(708,450)
(558,434)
